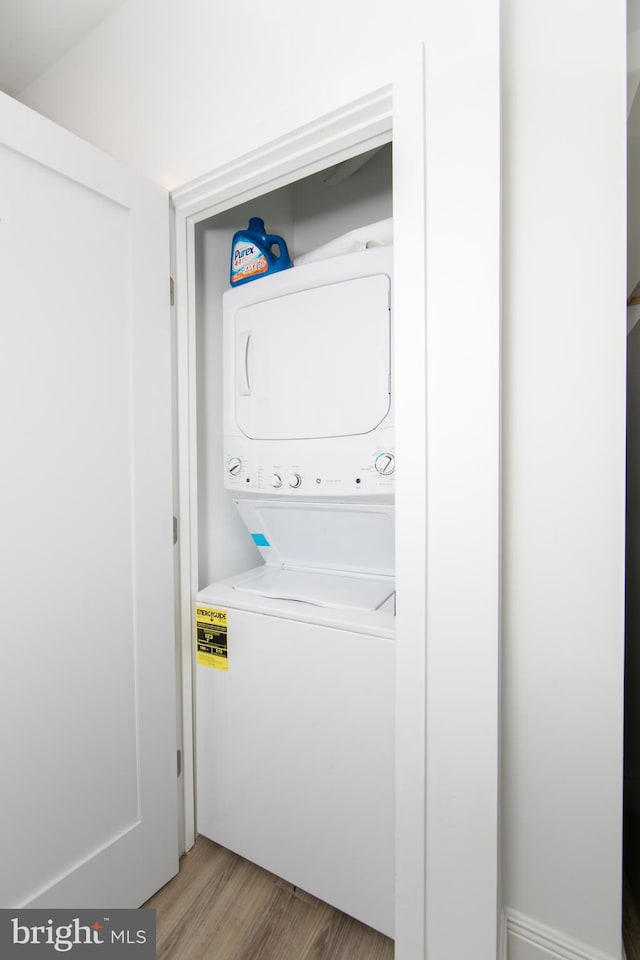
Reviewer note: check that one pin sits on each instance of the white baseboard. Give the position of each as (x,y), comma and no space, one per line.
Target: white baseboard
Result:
(523,938)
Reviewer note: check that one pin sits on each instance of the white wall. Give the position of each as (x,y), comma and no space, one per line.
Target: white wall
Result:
(633,161)
(175,90)
(633,49)
(564,408)
(632,719)
(632,679)
(162,85)
(323,211)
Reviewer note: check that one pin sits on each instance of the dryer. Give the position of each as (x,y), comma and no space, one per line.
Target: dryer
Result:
(307,380)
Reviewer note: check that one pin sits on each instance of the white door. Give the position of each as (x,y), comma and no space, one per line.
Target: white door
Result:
(314,363)
(87,688)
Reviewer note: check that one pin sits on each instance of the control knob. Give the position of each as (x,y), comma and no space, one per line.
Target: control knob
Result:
(276,481)
(294,481)
(385,464)
(234,466)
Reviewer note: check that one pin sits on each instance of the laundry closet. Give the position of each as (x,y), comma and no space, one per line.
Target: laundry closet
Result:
(294,673)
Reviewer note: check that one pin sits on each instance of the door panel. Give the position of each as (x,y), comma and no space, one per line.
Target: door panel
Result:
(314,363)
(88,686)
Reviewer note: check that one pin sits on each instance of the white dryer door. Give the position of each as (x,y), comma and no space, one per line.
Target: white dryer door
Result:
(315,363)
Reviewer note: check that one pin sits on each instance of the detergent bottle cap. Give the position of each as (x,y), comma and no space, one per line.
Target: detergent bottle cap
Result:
(256,223)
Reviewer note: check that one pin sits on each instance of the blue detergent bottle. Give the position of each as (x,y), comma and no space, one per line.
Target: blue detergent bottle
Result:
(253,254)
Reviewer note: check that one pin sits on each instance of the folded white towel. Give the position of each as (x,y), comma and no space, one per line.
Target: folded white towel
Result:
(379,234)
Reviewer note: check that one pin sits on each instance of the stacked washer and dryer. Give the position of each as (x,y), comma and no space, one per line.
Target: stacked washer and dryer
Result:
(295,729)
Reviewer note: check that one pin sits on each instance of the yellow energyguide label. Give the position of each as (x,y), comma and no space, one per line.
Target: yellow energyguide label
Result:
(211,638)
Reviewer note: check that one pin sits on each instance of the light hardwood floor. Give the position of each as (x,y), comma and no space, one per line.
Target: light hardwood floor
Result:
(221,907)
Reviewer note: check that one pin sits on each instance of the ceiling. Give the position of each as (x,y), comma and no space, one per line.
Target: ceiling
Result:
(36,33)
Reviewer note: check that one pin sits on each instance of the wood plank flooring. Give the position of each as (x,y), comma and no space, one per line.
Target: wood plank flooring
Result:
(221,907)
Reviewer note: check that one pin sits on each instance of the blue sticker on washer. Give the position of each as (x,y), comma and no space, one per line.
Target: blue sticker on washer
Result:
(260,540)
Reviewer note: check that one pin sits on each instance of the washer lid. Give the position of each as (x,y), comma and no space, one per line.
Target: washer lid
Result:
(339,591)
(338,537)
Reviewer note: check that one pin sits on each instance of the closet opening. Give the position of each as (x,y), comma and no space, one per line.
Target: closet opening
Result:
(295,614)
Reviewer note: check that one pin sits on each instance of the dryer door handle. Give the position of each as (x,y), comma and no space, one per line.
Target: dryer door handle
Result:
(242,364)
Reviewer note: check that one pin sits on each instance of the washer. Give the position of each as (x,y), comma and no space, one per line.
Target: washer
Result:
(295,734)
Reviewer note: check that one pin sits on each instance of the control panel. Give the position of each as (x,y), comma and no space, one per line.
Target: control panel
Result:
(313,476)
